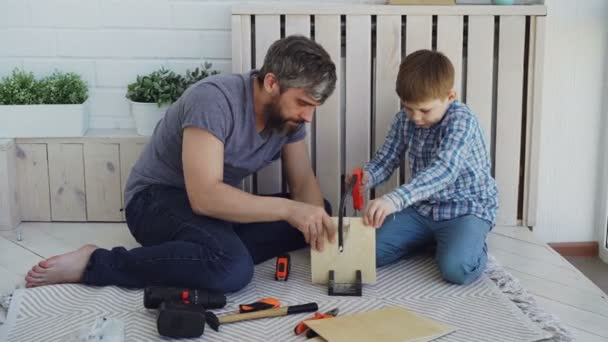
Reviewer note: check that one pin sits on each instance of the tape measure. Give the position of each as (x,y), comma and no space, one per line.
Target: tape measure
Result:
(283,267)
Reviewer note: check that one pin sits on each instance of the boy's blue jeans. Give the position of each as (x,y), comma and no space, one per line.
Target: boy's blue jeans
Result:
(461,250)
(182,249)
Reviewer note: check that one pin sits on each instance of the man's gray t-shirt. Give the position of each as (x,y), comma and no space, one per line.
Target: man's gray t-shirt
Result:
(222,105)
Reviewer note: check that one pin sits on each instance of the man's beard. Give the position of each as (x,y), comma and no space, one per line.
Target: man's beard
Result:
(276,123)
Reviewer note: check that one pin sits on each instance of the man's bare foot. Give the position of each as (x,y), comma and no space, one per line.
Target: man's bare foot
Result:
(64,268)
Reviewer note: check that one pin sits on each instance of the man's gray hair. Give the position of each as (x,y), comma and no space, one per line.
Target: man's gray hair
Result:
(299,62)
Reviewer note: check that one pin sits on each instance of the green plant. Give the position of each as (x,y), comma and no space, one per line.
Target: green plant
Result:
(164,86)
(160,87)
(21,88)
(198,74)
(64,88)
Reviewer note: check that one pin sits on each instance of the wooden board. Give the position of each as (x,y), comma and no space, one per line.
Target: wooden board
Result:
(359,254)
(241,61)
(480,71)
(358,93)
(449,41)
(418,35)
(300,25)
(102,175)
(509,116)
(66,176)
(535,100)
(33,182)
(388,58)
(129,154)
(267,31)
(10,215)
(392,324)
(328,117)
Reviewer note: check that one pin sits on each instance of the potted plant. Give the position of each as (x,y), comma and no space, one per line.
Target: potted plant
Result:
(55,106)
(150,95)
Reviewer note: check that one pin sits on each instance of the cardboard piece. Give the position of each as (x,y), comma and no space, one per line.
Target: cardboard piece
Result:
(392,324)
(359,254)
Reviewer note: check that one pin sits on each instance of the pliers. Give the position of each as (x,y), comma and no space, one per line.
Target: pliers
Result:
(302,327)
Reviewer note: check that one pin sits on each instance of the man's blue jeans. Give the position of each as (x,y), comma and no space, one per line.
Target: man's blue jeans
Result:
(460,243)
(180,248)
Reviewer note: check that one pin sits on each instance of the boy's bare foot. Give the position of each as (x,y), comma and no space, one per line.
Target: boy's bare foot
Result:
(64,268)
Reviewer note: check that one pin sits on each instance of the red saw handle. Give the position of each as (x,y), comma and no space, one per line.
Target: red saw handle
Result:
(357,189)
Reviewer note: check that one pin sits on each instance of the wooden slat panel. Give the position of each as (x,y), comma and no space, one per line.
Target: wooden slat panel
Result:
(300,24)
(66,174)
(480,66)
(33,182)
(418,35)
(267,31)
(129,154)
(358,92)
(10,216)
(361,9)
(241,60)
(534,114)
(387,103)
(102,178)
(509,115)
(328,121)
(449,41)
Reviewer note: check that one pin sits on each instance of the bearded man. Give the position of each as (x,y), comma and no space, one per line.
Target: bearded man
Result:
(183,200)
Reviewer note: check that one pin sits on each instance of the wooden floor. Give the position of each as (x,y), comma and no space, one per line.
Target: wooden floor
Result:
(557,285)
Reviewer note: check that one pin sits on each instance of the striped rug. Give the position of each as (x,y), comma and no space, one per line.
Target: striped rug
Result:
(480,311)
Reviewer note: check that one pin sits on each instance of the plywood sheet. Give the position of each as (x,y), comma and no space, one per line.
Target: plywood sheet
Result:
(359,254)
(393,324)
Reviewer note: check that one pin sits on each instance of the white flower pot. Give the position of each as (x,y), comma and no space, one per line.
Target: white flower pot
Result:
(146,116)
(42,121)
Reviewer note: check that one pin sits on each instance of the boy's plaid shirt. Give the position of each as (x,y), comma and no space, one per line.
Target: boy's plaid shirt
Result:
(449,164)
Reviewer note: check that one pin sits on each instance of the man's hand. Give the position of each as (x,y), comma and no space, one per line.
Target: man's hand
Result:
(313,222)
(377,210)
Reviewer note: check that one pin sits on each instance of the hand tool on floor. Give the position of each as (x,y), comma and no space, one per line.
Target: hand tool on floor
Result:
(302,327)
(181,311)
(283,267)
(262,304)
(215,321)
(155,295)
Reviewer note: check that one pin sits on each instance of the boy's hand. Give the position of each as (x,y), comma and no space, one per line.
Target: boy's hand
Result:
(364,179)
(377,210)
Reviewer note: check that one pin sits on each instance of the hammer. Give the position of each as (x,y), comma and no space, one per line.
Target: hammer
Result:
(214,321)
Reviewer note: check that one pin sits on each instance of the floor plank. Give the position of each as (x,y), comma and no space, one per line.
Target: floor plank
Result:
(518,233)
(585,336)
(580,319)
(532,251)
(581,299)
(561,275)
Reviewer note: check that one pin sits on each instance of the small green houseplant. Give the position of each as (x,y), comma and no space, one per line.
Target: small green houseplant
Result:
(53,106)
(150,95)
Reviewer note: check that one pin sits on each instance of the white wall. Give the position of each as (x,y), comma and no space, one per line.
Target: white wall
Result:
(111,41)
(573,105)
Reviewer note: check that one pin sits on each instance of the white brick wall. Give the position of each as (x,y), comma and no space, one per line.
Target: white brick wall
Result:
(110,42)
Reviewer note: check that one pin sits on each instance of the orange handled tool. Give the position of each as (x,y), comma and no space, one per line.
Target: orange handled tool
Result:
(302,327)
(262,304)
(358,189)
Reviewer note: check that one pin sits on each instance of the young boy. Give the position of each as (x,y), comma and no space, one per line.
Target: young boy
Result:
(451,199)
